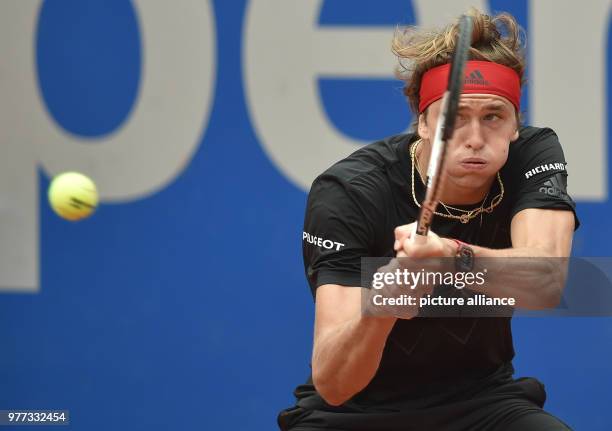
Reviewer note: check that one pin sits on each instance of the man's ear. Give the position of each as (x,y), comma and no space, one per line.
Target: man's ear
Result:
(515,136)
(518,126)
(422,128)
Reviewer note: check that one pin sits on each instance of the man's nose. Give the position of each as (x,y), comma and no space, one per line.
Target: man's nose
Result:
(474,137)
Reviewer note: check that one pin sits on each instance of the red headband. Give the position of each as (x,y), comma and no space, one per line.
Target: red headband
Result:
(480,77)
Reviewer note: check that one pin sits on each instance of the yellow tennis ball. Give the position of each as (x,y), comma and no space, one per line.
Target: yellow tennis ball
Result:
(73,196)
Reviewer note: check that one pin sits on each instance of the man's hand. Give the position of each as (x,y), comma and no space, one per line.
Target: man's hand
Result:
(430,256)
(434,246)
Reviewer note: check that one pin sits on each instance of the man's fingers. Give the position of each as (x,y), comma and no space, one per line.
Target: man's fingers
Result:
(424,247)
(402,233)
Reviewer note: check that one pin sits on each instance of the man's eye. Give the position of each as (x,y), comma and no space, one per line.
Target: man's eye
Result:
(490,117)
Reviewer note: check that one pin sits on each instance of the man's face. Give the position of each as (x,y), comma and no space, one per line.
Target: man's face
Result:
(485,126)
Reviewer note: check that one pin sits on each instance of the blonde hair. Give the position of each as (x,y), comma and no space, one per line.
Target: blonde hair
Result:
(498,39)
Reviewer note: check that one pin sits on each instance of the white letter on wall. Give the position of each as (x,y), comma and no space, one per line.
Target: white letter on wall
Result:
(567,86)
(150,149)
(284,53)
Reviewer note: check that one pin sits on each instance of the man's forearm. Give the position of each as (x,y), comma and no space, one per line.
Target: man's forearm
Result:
(534,276)
(345,359)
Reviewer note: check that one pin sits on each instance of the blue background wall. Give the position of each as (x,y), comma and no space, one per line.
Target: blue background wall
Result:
(188,309)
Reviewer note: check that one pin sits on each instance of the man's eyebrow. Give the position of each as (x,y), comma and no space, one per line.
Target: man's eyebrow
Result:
(493,106)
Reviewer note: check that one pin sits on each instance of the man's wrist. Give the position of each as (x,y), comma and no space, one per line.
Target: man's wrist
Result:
(464,256)
(451,247)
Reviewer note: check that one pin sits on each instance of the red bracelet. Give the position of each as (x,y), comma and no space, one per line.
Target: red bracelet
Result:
(459,244)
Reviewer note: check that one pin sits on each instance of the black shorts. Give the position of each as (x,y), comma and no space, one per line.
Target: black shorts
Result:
(513,406)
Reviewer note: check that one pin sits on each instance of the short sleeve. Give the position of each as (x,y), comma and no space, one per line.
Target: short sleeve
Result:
(336,235)
(538,173)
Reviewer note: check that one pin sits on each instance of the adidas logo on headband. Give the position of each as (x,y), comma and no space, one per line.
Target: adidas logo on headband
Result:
(475,78)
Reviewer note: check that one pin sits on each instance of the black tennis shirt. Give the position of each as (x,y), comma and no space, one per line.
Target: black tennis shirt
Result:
(352,211)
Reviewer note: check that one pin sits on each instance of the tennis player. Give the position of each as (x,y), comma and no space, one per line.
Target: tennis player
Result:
(504,195)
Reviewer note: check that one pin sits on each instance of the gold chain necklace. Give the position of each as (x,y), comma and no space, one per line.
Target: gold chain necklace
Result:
(467,214)
(446,207)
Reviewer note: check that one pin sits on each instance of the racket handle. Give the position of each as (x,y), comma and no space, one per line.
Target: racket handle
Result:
(415,238)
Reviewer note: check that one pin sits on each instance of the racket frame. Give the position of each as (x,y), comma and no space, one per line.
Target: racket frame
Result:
(444,129)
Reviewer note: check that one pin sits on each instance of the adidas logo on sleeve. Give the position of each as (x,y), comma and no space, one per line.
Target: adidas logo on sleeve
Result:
(554,186)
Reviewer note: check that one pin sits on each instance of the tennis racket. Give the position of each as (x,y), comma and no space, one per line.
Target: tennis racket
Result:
(444,128)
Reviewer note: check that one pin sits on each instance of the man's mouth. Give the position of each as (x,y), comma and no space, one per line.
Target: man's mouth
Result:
(473,163)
